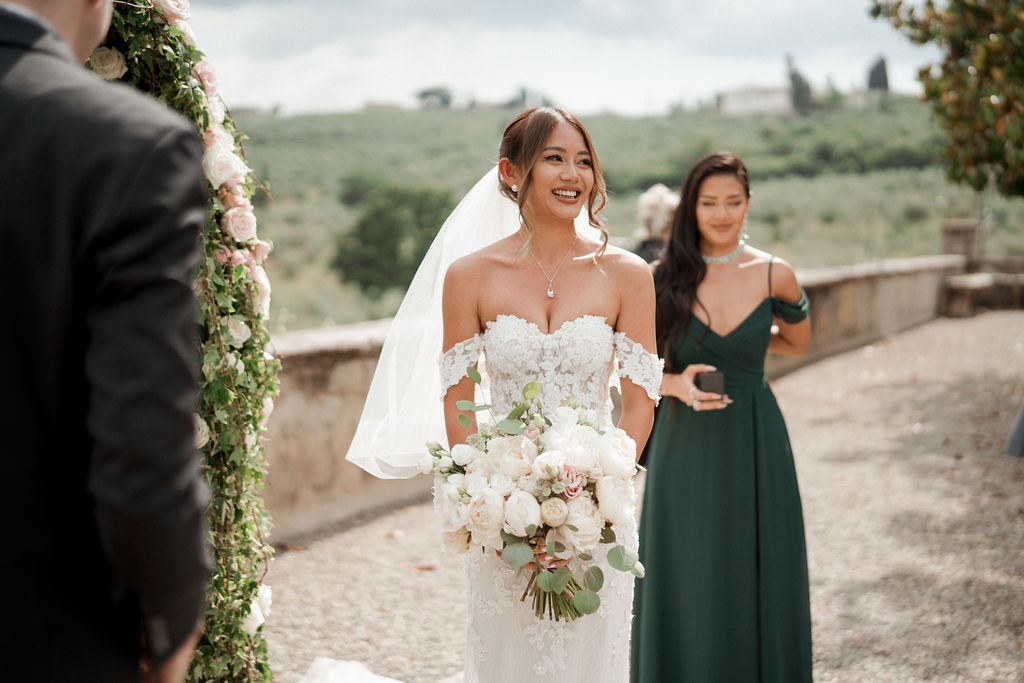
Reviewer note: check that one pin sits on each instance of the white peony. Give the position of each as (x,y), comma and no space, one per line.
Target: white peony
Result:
(549,464)
(583,515)
(564,416)
(486,517)
(554,511)
(616,500)
(474,482)
(521,511)
(448,505)
(457,480)
(108,63)
(513,454)
(618,454)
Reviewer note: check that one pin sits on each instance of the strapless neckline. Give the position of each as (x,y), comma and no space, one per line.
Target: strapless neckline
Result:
(586,317)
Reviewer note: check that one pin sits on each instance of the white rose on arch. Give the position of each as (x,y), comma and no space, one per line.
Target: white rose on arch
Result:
(108,63)
(174,11)
(240,224)
(221,165)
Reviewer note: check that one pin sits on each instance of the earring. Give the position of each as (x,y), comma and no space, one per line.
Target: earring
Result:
(515,188)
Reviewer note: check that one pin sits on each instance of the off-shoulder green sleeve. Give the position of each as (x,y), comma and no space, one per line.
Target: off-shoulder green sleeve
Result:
(790,312)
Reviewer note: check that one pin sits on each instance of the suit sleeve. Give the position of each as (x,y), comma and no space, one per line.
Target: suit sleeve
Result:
(142,369)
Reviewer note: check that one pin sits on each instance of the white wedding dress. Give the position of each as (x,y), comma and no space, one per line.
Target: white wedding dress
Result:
(505,641)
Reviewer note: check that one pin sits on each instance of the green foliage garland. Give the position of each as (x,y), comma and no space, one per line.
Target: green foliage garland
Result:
(151,47)
(977,92)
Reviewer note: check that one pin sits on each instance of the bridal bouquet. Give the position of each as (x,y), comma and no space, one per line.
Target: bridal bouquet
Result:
(541,489)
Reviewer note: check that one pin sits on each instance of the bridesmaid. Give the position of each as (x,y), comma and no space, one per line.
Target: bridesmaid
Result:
(721,533)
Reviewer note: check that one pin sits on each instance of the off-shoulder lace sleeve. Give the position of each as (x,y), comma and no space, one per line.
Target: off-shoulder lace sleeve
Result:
(642,367)
(454,361)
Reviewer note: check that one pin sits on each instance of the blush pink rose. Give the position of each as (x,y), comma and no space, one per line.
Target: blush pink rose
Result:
(240,224)
(222,256)
(174,11)
(239,258)
(204,73)
(260,251)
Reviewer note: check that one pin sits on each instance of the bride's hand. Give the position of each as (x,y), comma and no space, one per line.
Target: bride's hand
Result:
(680,385)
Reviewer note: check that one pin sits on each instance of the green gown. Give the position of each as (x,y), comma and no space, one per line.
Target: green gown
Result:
(725,597)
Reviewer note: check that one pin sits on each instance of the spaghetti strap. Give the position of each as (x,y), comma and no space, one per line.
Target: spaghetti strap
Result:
(771,260)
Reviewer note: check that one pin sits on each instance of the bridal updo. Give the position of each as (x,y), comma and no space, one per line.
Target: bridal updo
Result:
(522,144)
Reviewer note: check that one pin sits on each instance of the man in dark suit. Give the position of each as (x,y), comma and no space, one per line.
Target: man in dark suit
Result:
(102,501)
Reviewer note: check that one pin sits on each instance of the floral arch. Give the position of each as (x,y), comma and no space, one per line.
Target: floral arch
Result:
(151,46)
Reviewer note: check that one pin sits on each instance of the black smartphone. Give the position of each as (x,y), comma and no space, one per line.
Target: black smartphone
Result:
(712,382)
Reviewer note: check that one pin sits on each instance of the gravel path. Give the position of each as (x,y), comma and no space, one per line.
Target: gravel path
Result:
(915,529)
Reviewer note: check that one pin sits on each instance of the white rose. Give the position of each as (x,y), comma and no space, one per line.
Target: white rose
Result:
(463,454)
(583,515)
(450,510)
(221,165)
(108,63)
(554,511)
(502,483)
(486,517)
(456,541)
(564,416)
(521,511)
(618,454)
(457,480)
(265,598)
(548,464)
(256,615)
(238,331)
(616,500)
(202,431)
(215,106)
(425,464)
(444,462)
(173,11)
(262,300)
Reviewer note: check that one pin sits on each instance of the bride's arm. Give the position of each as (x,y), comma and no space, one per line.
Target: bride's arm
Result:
(461,323)
(636,322)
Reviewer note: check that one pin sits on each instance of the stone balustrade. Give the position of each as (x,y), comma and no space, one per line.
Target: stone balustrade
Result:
(326,373)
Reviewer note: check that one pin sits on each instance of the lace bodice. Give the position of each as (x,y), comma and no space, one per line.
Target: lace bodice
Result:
(576,361)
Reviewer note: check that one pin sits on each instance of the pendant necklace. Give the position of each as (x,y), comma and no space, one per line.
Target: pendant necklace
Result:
(551,280)
(730,256)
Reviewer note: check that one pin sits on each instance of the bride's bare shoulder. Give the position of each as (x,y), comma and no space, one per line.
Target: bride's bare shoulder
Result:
(479,263)
(625,266)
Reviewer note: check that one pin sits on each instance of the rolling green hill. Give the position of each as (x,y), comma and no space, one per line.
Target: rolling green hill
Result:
(837,187)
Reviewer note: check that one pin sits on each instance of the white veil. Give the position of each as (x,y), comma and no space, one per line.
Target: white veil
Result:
(403,408)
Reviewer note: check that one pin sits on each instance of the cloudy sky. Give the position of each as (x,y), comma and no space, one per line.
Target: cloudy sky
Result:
(628,56)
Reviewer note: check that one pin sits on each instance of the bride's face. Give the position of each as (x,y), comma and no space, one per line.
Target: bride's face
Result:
(561,178)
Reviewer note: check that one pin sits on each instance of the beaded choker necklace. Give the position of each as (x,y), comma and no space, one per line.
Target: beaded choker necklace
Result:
(730,256)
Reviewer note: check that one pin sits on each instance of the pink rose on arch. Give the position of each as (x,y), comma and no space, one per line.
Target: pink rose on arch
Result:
(232,196)
(240,258)
(240,223)
(574,481)
(174,11)
(260,251)
(222,256)
(216,134)
(204,73)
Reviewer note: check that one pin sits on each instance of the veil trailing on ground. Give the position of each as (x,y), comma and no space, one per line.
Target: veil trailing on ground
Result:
(403,408)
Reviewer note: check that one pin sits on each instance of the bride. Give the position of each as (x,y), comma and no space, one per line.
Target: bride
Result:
(549,301)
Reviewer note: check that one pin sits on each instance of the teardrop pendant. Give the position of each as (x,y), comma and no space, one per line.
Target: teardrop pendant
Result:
(551,291)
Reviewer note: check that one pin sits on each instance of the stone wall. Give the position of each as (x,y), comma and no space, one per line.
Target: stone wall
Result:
(326,373)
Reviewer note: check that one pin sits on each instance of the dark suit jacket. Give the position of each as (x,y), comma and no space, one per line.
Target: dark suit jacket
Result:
(102,502)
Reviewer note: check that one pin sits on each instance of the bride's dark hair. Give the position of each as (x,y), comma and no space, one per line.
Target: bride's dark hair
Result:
(522,143)
(681,268)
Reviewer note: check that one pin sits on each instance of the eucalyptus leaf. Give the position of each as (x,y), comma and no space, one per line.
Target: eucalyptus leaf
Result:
(607,535)
(510,539)
(512,427)
(546,581)
(465,405)
(622,558)
(560,579)
(517,554)
(531,530)
(465,422)
(531,391)
(573,527)
(593,579)
(473,374)
(586,601)
(586,557)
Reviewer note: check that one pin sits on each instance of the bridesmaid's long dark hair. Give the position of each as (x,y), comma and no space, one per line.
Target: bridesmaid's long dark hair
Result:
(681,268)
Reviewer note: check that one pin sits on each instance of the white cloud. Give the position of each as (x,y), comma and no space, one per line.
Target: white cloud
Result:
(306,56)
